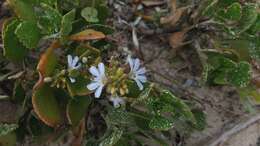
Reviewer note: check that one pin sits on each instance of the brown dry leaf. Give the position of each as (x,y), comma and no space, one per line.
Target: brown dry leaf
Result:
(176,39)
(174,17)
(152,3)
(175,14)
(88,34)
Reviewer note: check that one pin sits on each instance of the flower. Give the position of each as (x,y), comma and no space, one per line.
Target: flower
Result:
(73,64)
(117,101)
(99,80)
(137,73)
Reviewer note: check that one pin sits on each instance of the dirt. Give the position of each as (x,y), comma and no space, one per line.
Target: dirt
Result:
(179,72)
(221,104)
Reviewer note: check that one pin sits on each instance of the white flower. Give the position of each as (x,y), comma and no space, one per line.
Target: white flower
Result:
(137,73)
(99,80)
(73,64)
(117,101)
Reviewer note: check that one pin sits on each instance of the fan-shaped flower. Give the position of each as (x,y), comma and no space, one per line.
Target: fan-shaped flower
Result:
(117,101)
(73,64)
(137,73)
(99,80)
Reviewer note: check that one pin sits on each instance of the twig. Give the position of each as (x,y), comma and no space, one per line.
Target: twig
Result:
(227,135)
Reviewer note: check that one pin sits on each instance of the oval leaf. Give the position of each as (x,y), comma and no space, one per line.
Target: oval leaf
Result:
(77,108)
(90,14)
(13,48)
(46,106)
(86,35)
(160,123)
(28,33)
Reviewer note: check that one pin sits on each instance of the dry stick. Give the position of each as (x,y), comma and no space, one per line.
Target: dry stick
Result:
(224,137)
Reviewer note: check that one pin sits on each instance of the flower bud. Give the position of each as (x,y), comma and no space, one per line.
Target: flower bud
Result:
(47,79)
(84,59)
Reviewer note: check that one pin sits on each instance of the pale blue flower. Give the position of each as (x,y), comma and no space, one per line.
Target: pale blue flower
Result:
(137,73)
(73,64)
(117,101)
(99,80)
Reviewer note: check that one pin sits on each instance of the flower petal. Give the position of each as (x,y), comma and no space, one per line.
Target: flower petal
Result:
(99,91)
(72,80)
(101,68)
(69,58)
(94,71)
(136,64)
(93,85)
(141,71)
(75,61)
(78,66)
(142,78)
(139,84)
(117,101)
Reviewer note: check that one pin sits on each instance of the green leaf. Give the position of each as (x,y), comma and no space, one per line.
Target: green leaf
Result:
(233,12)
(13,49)
(249,17)
(225,3)
(178,106)
(66,23)
(161,123)
(49,19)
(133,89)
(90,14)
(118,117)
(144,95)
(256,27)
(46,106)
(79,87)
(156,105)
(24,9)
(254,48)
(28,33)
(77,108)
(200,119)
(241,75)
(103,13)
(220,74)
(221,66)
(7,128)
(113,138)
